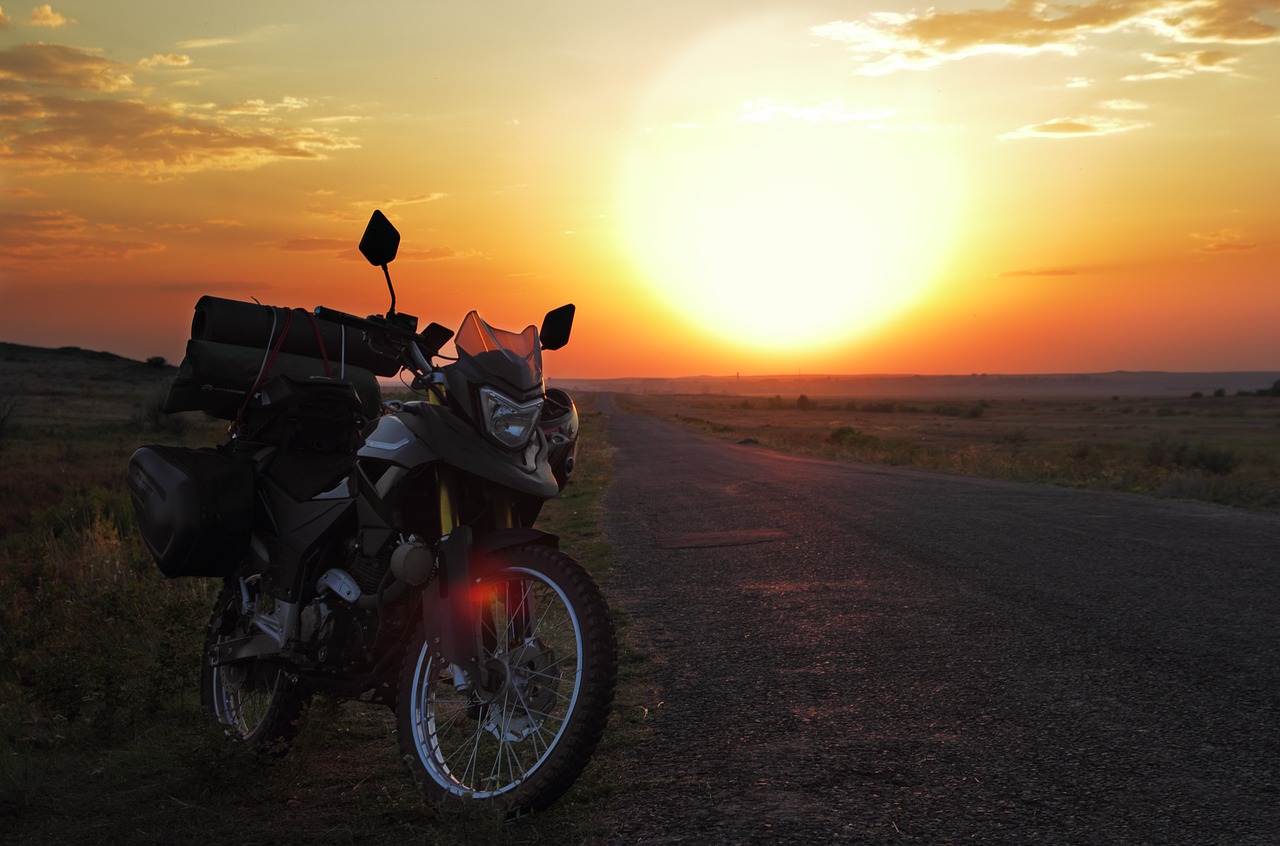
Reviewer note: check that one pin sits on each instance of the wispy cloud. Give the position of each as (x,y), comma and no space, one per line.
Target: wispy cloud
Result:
(1076,127)
(317,245)
(64,109)
(62,235)
(346,249)
(1225,241)
(1175,65)
(203,43)
(886,42)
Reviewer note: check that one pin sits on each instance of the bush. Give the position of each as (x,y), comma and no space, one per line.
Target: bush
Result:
(849,437)
(1166,453)
(972,412)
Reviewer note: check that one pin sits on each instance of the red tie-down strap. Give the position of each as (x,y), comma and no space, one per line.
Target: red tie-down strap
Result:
(238,424)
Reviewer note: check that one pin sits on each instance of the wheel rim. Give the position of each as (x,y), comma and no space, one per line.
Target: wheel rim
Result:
(244,693)
(486,747)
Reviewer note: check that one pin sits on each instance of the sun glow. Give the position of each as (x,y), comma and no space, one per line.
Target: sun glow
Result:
(786,237)
(789,223)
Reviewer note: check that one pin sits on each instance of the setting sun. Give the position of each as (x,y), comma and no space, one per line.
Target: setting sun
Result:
(787,236)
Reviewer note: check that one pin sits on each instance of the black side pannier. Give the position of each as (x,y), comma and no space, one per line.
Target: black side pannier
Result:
(194,507)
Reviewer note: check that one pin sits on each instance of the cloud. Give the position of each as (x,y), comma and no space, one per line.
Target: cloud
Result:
(169,60)
(61,235)
(58,134)
(1225,241)
(262,108)
(5,20)
(886,42)
(345,248)
(1175,65)
(46,16)
(202,43)
(413,200)
(1123,105)
(317,245)
(1080,127)
(58,66)
(63,109)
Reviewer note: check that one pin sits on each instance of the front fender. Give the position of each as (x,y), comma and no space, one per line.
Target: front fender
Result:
(496,541)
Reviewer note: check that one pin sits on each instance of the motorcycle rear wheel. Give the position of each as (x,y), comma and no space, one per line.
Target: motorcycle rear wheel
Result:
(255,700)
(548,636)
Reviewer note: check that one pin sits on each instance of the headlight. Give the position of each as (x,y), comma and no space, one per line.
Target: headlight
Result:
(508,422)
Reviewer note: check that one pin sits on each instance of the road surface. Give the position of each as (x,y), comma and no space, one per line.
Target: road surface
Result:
(845,653)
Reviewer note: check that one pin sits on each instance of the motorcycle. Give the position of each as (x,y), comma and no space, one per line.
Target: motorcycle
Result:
(387,552)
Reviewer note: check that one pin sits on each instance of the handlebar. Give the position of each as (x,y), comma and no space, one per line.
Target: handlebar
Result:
(407,343)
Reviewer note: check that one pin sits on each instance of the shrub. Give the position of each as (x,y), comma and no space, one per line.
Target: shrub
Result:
(971,412)
(803,403)
(849,437)
(1167,453)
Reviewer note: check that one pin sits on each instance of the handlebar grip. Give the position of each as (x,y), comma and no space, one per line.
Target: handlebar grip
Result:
(334,316)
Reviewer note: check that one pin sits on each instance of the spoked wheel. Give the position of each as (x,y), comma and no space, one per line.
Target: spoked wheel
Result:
(254,699)
(551,663)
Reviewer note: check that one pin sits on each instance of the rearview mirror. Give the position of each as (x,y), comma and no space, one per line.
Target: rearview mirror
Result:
(380,241)
(556,327)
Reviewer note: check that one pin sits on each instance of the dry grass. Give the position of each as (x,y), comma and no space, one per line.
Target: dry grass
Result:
(1218,449)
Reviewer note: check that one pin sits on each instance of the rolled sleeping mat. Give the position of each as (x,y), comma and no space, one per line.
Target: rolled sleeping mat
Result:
(244,324)
(214,378)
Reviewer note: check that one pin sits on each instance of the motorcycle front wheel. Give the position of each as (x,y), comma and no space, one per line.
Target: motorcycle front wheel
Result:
(551,658)
(255,700)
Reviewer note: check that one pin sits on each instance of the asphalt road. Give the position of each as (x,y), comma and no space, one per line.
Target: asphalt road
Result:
(845,653)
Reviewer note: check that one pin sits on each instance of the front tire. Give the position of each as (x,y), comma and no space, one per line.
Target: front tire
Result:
(547,636)
(255,700)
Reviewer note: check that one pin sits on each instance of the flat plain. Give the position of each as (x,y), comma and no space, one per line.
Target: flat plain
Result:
(1215,448)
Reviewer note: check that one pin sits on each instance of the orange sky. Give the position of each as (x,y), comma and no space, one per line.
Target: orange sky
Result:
(843,187)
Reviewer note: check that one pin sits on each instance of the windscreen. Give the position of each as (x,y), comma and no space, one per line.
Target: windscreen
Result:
(476,337)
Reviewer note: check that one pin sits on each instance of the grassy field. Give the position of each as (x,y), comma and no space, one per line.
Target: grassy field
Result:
(1223,449)
(102,739)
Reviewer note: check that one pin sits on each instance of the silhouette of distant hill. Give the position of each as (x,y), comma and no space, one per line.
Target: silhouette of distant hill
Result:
(1118,383)
(24,363)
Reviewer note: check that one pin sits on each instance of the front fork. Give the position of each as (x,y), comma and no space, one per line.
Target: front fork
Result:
(452,608)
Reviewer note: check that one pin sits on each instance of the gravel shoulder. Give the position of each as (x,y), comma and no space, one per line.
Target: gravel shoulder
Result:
(868,655)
